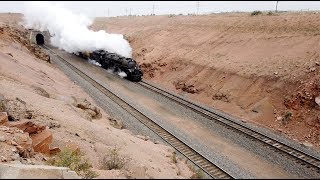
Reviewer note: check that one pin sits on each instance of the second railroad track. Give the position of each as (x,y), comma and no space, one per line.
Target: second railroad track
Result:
(298,156)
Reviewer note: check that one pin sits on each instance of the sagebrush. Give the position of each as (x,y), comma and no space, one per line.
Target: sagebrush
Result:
(174,158)
(75,161)
(286,117)
(113,160)
(255,13)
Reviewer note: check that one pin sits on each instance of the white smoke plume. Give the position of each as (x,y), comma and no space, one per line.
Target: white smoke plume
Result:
(110,70)
(122,74)
(70,31)
(92,61)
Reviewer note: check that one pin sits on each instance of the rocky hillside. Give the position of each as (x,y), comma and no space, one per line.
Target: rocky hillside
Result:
(45,118)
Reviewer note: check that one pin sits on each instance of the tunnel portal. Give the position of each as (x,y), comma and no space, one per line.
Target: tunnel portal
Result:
(40,39)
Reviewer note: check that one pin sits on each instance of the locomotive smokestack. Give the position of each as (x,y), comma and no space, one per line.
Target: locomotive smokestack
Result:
(70,31)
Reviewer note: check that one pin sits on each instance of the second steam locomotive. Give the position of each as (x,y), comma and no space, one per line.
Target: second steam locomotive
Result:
(116,62)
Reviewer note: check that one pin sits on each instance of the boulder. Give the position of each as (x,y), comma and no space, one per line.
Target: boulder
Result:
(91,110)
(145,138)
(307,144)
(23,139)
(41,141)
(54,150)
(317,100)
(16,109)
(54,124)
(116,123)
(3,118)
(27,126)
(15,141)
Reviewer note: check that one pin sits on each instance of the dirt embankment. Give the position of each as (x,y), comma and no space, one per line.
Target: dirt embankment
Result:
(37,96)
(264,68)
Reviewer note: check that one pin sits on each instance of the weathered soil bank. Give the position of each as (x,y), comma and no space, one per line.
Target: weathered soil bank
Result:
(264,69)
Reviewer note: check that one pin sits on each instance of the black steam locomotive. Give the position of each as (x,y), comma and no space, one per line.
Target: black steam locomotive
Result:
(116,62)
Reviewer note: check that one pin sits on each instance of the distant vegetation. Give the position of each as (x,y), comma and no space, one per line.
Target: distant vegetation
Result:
(270,13)
(255,13)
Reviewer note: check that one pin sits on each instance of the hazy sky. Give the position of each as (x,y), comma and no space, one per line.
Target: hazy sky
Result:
(120,8)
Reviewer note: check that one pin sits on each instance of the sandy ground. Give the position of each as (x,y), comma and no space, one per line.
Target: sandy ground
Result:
(21,73)
(259,68)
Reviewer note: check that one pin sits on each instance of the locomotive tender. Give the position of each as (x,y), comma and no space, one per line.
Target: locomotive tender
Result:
(116,62)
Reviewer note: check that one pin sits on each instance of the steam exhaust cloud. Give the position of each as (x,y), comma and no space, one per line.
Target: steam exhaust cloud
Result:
(109,70)
(70,31)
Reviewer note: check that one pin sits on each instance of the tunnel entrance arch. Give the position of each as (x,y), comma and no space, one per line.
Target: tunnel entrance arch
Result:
(40,39)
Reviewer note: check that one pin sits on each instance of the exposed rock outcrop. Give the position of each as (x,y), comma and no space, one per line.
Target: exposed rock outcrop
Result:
(116,123)
(27,126)
(3,118)
(23,139)
(91,110)
(16,109)
(14,143)
(39,133)
(189,88)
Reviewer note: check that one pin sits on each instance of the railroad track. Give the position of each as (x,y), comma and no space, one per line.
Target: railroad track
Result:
(203,163)
(298,156)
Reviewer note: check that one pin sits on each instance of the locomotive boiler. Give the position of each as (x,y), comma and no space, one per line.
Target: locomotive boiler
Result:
(114,61)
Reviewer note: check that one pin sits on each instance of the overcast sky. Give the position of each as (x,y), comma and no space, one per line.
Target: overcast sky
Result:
(120,8)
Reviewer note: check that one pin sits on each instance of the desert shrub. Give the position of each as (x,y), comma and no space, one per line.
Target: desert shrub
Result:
(221,97)
(113,160)
(270,13)
(255,13)
(286,117)
(174,157)
(75,161)
(198,174)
